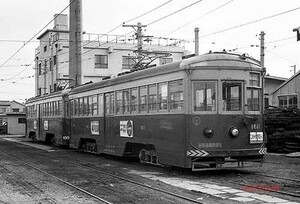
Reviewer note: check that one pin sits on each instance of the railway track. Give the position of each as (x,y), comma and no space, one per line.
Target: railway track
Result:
(57,178)
(102,171)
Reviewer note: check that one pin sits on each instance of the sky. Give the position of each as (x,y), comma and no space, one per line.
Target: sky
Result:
(233,25)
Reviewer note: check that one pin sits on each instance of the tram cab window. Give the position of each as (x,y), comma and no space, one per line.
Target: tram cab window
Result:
(176,95)
(253,99)
(163,96)
(204,96)
(232,96)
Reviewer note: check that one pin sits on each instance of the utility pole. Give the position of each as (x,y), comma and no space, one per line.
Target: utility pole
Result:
(75,48)
(262,62)
(298,32)
(262,48)
(196,30)
(294,66)
(139,37)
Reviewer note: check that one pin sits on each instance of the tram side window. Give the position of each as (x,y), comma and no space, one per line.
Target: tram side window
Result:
(100,104)
(143,98)
(76,106)
(253,101)
(107,103)
(232,96)
(163,96)
(94,105)
(133,100)
(204,96)
(176,95)
(152,98)
(112,103)
(126,100)
(80,103)
(119,102)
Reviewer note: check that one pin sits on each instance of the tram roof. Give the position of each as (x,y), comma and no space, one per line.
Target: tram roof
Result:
(221,60)
(215,59)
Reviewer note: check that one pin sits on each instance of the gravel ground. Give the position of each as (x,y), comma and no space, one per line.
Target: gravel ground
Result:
(21,184)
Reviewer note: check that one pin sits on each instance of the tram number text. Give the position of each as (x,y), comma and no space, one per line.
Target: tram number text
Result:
(255,126)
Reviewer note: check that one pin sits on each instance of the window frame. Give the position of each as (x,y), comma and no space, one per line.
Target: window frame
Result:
(242,97)
(103,61)
(215,82)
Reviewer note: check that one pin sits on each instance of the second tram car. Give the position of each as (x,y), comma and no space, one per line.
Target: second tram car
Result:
(201,111)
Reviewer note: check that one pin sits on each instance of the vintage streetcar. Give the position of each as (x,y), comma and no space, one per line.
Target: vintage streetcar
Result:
(204,111)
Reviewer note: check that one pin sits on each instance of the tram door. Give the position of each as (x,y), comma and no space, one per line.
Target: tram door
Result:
(109,108)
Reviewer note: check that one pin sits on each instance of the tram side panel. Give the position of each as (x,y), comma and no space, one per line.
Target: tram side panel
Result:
(165,134)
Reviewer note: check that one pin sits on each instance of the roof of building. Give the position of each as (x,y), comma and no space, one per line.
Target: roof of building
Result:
(5,103)
(287,81)
(51,30)
(8,103)
(275,78)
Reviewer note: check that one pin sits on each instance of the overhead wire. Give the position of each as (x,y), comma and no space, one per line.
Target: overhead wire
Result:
(173,31)
(101,35)
(90,41)
(251,22)
(170,14)
(34,36)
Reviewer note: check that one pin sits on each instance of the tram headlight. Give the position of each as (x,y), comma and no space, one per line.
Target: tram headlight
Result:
(208,132)
(234,131)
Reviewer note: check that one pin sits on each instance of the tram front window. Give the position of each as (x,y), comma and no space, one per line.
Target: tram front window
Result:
(232,96)
(204,96)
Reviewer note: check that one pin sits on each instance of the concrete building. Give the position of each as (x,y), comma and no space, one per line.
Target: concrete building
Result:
(288,93)
(13,116)
(102,55)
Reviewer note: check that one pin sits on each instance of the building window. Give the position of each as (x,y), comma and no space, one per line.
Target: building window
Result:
(101,62)
(290,101)
(232,96)
(54,60)
(15,110)
(40,68)
(128,62)
(165,60)
(204,96)
(21,120)
(45,48)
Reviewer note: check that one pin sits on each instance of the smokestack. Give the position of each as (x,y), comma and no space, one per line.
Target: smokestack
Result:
(75,48)
(196,41)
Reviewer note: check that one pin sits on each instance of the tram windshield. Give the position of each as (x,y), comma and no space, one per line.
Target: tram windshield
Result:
(231,96)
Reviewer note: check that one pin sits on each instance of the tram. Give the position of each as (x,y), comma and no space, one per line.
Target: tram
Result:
(204,111)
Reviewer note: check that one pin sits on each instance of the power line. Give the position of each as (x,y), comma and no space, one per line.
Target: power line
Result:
(200,17)
(25,43)
(251,22)
(174,12)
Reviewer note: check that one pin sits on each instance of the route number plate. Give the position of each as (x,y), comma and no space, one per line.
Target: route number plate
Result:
(256,137)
